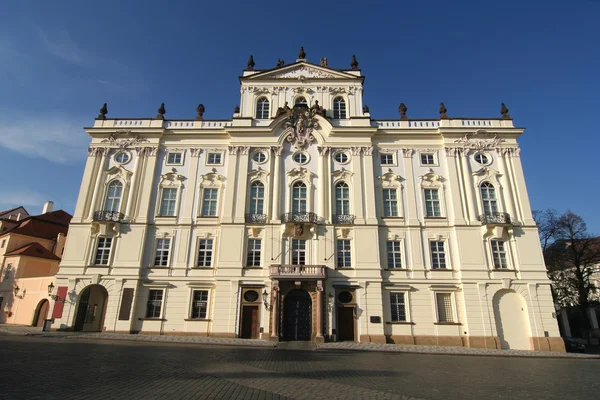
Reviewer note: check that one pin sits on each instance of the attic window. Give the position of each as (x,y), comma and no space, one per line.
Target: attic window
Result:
(301,100)
(39,251)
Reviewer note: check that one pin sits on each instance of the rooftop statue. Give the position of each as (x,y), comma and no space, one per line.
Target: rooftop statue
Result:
(251,63)
(161,111)
(104,111)
(200,110)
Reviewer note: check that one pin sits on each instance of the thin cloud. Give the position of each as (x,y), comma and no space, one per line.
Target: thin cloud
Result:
(61,45)
(59,140)
(22,197)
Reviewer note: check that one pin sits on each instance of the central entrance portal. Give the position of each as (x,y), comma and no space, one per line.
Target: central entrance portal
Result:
(297,315)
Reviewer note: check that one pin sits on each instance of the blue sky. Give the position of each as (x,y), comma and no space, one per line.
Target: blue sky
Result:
(59,61)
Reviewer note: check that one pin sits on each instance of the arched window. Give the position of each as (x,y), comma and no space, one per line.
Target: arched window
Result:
(257,197)
(113,196)
(342,198)
(262,108)
(299,197)
(301,100)
(339,108)
(488,196)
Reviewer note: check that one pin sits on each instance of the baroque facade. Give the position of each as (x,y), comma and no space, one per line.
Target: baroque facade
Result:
(302,218)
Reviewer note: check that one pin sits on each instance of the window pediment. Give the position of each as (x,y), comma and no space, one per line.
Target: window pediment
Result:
(258,173)
(118,172)
(390,179)
(431,179)
(300,173)
(342,174)
(302,72)
(172,179)
(487,174)
(212,178)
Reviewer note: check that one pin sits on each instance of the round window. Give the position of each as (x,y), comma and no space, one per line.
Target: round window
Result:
(122,157)
(341,158)
(259,157)
(300,158)
(345,297)
(251,296)
(482,158)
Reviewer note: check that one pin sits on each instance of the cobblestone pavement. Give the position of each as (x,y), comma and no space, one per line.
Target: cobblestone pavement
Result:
(56,368)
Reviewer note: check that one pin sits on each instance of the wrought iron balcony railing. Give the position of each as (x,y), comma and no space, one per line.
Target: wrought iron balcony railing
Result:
(343,219)
(306,217)
(297,271)
(256,218)
(498,218)
(109,216)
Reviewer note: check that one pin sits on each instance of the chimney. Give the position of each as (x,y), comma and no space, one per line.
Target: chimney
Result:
(48,207)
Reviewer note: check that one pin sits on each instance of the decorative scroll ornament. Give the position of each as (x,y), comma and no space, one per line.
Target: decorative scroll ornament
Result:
(390,179)
(124,139)
(302,125)
(480,140)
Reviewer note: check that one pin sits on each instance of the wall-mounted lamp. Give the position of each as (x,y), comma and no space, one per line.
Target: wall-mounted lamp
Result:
(265,300)
(53,296)
(16,289)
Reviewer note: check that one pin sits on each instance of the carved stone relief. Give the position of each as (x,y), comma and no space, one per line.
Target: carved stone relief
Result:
(124,139)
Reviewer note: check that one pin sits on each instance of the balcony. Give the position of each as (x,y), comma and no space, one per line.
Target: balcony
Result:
(297,271)
(108,216)
(343,219)
(300,218)
(256,218)
(498,218)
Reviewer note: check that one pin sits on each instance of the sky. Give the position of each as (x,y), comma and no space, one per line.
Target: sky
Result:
(61,60)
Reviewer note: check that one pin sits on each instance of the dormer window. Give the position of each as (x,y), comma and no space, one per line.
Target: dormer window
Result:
(301,101)
(262,108)
(339,108)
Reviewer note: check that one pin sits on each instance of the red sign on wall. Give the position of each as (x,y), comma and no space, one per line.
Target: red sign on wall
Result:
(61,293)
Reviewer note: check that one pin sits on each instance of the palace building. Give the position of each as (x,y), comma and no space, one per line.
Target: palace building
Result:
(302,218)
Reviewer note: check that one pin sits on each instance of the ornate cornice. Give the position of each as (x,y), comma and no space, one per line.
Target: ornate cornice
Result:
(479,141)
(124,139)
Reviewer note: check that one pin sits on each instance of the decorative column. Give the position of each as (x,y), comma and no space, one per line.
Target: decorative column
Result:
(359,203)
(276,184)
(147,186)
(323,177)
(275,311)
(508,190)
(231,189)
(319,310)
(191,190)
(514,163)
(411,195)
(100,173)
(241,185)
(468,185)
(368,183)
(134,181)
(457,195)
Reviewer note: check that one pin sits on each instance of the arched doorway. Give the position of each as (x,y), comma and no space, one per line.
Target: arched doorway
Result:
(41,313)
(91,309)
(297,315)
(512,320)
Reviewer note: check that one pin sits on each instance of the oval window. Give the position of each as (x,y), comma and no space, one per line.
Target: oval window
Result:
(251,296)
(482,158)
(300,158)
(260,157)
(345,297)
(341,158)
(122,157)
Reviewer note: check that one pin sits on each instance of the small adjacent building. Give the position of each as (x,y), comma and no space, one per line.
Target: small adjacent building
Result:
(30,251)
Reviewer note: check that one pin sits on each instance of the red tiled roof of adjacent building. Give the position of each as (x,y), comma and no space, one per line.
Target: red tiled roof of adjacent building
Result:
(46,226)
(34,250)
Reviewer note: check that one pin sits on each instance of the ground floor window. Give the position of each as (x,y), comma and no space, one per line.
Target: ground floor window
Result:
(445,309)
(154,305)
(398,306)
(199,304)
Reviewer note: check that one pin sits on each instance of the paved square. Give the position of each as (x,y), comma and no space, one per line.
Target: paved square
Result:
(65,368)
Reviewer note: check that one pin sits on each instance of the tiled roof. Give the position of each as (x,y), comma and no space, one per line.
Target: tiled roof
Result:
(46,226)
(34,250)
(3,213)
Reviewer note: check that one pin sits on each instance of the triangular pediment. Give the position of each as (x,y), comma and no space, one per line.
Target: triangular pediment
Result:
(302,71)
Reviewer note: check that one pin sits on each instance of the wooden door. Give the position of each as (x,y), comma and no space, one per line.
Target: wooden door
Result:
(250,322)
(345,324)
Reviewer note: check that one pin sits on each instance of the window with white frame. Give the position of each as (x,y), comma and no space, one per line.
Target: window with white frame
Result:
(344,256)
(209,202)
(428,159)
(168,202)
(488,197)
(499,254)
(387,159)
(339,108)
(445,309)
(298,252)
(394,254)
(438,254)
(161,255)
(390,203)
(253,253)
(205,253)
(174,158)
(342,198)
(262,108)
(113,196)
(122,157)
(214,158)
(199,306)
(257,197)
(154,304)
(103,247)
(432,203)
(299,197)
(398,306)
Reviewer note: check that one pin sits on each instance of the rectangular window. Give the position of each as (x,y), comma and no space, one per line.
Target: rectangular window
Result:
(154,305)
(161,257)
(394,255)
(438,255)
(398,306)
(444,307)
(174,158)
(3,243)
(432,203)
(427,159)
(205,252)
(344,258)
(298,252)
(253,258)
(387,159)
(199,304)
(7,272)
(103,251)
(209,202)
(168,202)
(499,254)
(214,158)
(390,203)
